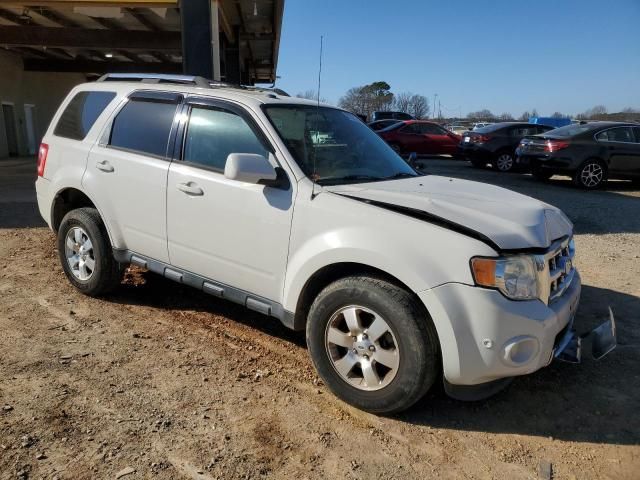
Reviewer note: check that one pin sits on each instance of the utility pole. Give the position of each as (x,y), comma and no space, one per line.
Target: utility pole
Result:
(435,96)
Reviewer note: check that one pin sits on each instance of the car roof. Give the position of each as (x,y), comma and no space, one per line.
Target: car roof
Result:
(606,124)
(249,96)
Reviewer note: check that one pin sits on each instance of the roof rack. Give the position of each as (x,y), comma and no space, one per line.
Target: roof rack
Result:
(155,78)
(183,80)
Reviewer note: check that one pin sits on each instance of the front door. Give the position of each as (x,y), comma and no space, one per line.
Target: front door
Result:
(232,232)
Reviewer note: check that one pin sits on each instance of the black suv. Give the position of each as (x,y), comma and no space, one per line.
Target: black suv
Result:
(496,143)
(590,153)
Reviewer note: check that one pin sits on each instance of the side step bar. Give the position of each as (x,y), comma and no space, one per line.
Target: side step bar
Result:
(217,289)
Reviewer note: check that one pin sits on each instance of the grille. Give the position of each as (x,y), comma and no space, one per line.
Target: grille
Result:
(558,268)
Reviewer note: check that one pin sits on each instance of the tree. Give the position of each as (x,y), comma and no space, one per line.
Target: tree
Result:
(595,113)
(483,114)
(559,115)
(506,117)
(311,95)
(411,103)
(525,116)
(367,99)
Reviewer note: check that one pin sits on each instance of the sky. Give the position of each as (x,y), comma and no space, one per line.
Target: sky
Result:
(505,55)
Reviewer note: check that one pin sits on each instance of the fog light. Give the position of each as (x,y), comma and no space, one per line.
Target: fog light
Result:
(520,350)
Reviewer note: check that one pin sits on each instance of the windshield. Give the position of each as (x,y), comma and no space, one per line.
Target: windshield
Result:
(332,146)
(569,130)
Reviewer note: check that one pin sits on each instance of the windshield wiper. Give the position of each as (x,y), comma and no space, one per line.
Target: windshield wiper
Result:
(401,175)
(350,178)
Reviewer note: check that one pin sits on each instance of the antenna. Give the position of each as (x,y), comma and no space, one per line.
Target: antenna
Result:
(313,176)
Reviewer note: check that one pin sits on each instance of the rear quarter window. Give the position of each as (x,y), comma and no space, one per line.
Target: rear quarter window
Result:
(81,113)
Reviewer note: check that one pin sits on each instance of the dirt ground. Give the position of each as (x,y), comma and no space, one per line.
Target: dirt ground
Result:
(161,381)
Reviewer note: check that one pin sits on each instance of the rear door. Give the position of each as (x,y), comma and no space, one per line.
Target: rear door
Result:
(127,172)
(411,138)
(622,149)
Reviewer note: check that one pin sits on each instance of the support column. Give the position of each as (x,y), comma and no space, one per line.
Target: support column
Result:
(215,40)
(197,44)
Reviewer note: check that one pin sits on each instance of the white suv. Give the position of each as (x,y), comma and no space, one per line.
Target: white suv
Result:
(301,212)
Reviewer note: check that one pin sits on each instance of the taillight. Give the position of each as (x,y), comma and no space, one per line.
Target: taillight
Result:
(42,158)
(555,145)
(481,138)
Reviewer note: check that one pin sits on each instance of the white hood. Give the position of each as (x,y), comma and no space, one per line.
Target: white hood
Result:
(508,219)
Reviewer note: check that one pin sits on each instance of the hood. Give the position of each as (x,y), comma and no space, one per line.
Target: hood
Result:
(510,221)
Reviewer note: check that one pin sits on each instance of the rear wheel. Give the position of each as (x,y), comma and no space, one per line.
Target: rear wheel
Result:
(85,252)
(591,174)
(504,161)
(373,344)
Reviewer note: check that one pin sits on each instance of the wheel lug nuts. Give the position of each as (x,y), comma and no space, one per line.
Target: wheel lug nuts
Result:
(366,357)
(355,351)
(364,336)
(372,348)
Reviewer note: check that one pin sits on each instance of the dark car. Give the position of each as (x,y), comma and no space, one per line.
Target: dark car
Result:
(388,115)
(496,143)
(421,137)
(380,124)
(590,153)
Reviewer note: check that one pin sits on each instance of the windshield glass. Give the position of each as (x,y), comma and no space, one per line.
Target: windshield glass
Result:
(333,147)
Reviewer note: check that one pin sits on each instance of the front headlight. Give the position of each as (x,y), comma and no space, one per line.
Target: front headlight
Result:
(515,276)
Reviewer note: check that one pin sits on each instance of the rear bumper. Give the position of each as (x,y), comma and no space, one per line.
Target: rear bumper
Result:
(485,337)
(546,162)
(475,152)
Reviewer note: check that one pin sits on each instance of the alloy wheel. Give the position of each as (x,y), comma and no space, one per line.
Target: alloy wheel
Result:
(591,175)
(504,162)
(362,348)
(79,253)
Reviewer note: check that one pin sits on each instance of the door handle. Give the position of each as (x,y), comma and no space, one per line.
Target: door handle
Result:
(190,188)
(104,166)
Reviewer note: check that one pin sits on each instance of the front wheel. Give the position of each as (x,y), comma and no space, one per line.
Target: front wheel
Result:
(590,175)
(85,252)
(373,344)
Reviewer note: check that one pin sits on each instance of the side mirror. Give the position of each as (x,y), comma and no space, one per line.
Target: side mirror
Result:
(249,168)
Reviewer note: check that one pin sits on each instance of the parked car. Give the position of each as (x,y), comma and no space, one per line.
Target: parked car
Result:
(380,124)
(479,125)
(421,137)
(590,153)
(396,277)
(497,143)
(457,129)
(387,115)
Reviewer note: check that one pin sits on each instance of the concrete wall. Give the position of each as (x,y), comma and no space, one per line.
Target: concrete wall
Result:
(45,90)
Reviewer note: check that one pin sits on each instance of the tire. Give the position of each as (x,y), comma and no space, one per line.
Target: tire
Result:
(504,161)
(478,163)
(83,243)
(591,174)
(404,359)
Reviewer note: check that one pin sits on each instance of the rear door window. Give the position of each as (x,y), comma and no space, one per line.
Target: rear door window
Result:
(620,134)
(411,128)
(144,125)
(214,133)
(81,113)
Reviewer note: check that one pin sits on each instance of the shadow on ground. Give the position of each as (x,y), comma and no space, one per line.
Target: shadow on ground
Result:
(590,402)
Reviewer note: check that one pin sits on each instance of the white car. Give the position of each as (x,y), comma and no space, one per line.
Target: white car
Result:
(301,212)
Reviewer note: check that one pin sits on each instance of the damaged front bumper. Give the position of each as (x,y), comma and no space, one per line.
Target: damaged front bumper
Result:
(603,340)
